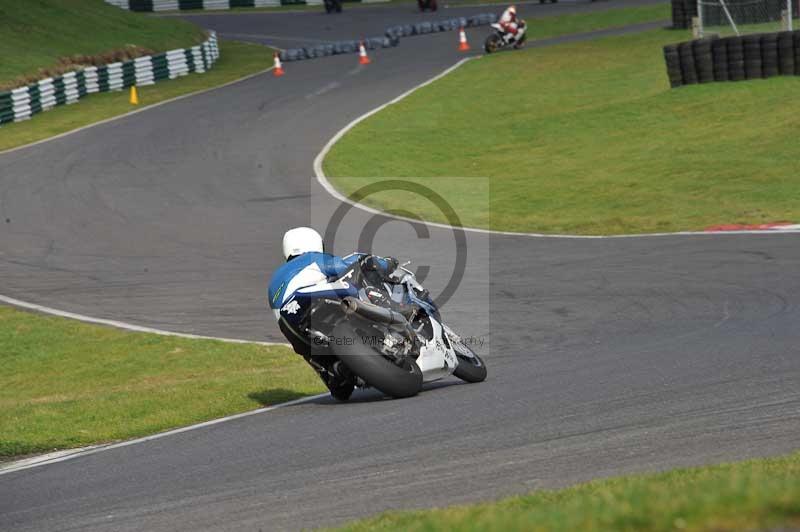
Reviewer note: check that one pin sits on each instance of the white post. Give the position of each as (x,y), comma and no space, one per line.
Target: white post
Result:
(700,18)
(791,15)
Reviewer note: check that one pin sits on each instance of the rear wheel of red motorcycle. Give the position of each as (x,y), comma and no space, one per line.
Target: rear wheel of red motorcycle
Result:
(353,345)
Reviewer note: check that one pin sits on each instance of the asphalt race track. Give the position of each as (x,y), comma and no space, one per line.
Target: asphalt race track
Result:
(606,356)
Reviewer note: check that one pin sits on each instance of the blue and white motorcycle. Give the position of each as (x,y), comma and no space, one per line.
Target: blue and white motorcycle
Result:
(369,331)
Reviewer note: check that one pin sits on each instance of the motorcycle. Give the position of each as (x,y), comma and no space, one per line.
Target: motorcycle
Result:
(376,333)
(427,4)
(333,5)
(499,38)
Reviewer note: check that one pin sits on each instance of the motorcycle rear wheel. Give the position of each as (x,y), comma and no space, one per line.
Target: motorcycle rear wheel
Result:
(366,362)
(492,43)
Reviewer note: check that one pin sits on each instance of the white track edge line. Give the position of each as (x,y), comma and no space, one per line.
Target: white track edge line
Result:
(323,180)
(69,454)
(61,456)
(126,326)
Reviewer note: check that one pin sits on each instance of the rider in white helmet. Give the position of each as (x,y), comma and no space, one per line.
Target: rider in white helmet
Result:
(307,264)
(512,26)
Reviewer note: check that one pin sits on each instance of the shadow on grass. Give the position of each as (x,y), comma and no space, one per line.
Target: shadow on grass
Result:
(274,396)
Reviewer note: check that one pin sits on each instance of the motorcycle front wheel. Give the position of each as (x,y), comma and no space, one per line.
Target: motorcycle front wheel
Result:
(493,42)
(470,366)
(353,343)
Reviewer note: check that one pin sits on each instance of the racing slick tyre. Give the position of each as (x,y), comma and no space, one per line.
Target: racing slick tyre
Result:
(470,366)
(367,362)
(492,43)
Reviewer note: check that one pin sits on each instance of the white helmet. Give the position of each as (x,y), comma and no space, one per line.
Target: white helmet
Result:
(301,240)
(512,10)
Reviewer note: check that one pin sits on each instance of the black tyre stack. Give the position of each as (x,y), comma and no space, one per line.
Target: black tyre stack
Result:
(688,71)
(752,56)
(733,58)
(703,62)
(797,53)
(719,55)
(735,49)
(769,55)
(673,61)
(682,13)
(786,53)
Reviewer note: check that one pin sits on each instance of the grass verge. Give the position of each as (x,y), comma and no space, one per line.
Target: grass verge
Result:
(236,61)
(761,494)
(587,138)
(554,26)
(35,34)
(67,384)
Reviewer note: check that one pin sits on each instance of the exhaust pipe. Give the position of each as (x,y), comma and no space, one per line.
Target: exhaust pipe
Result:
(351,305)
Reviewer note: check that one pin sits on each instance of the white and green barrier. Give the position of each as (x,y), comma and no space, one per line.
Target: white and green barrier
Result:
(175,5)
(24,102)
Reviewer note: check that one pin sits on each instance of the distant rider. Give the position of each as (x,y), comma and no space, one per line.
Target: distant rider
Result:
(306,265)
(513,27)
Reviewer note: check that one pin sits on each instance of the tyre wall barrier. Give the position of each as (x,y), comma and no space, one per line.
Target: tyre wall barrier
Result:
(176,5)
(756,56)
(684,10)
(24,102)
(390,38)
(682,13)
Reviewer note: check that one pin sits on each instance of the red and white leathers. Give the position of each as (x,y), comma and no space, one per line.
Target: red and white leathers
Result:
(508,21)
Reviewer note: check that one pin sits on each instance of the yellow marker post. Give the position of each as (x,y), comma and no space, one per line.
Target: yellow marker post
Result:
(134,96)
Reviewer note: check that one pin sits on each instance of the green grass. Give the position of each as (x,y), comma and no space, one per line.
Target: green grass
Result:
(767,27)
(547,27)
(587,138)
(236,61)
(34,34)
(66,384)
(759,494)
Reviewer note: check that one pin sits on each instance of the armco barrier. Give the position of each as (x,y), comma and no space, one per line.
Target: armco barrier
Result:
(390,39)
(20,104)
(175,5)
(755,56)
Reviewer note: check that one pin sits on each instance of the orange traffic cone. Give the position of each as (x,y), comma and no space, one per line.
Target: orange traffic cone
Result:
(277,70)
(363,58)
(463,45)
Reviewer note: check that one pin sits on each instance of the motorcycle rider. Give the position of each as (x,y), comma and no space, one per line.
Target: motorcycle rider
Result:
(513,27)
(307,264)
